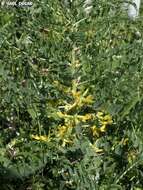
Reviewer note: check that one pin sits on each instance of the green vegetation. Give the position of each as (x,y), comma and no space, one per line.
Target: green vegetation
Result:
(71,98)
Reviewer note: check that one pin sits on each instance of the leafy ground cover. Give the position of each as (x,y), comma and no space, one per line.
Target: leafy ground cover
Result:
(71,103)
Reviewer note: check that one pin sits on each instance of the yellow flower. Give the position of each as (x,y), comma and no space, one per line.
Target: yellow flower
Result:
(71,106)
(62,131)
(103,128)
(84,118)
(61,115)
(87,117)
(99,115)
(104,122)
(108,119)
(66,141)
(124,141)
(76,94)
(41,138)
(95,131)
(88,99)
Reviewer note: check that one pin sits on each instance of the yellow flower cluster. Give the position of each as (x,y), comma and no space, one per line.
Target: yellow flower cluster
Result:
(64,134)
(70,116)
(40,138)
(95,131)
(80,97)
(104,121)
(62,131)
(83,118)
(72,120)
(86,117)
(88,99)
(61,115)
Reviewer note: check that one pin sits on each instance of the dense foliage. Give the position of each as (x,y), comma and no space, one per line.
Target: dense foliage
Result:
(71,98)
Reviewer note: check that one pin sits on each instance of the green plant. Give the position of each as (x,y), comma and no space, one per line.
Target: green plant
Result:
(71,97)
